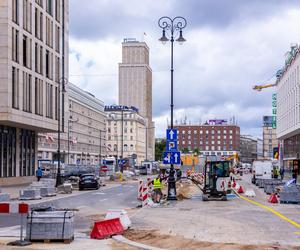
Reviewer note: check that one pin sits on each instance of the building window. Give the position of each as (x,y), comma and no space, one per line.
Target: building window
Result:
(131,147)
(39,2)
(219,131)
(224,131)
(38,96)
(15,11)
(15,88)
(57,38)
(115,147)
(49,60)
(125,147)
(49,7)
(230,137)
(49,32)
(27,15)
(57,10)
(212,142)
(183,142)
(183,132)
(195,132)
(230,131)
(212,132)
(49,100)
(224,137)
(57,69)
(15,45)
(206,147)
(38,18)
(219,142)
(27,61)
(27,90)
(201,132)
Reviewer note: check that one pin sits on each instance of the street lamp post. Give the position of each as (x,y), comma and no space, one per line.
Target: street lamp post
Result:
(177,24)
(60,88)
(69,137)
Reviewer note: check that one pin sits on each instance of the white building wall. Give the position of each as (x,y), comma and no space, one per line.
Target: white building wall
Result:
(288,100)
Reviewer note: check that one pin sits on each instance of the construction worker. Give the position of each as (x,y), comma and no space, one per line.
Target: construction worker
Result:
(157,186)
(276,172)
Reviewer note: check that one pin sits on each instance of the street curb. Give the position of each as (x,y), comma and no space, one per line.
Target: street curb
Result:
(124,240)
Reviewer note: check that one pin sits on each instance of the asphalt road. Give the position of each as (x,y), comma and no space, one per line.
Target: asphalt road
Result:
(99,201)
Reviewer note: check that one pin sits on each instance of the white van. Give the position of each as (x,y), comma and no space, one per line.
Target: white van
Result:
(262,169)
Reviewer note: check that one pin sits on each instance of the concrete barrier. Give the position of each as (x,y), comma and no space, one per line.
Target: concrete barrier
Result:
(50,225)
(30,194)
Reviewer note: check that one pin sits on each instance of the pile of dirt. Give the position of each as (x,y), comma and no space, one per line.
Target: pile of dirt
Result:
(186,190)
(155,239)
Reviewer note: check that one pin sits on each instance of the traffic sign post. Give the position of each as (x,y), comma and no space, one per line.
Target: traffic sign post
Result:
(172,134)
(171,158)
(171,146)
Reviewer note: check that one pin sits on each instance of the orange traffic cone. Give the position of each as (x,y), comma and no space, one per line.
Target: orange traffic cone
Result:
(273,198)
(241,190)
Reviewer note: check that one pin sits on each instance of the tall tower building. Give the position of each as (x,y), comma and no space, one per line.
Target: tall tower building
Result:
(135,84)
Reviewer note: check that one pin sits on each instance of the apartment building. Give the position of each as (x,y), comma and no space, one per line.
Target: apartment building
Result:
(215,137)
(135,84)
(248,149)
(84,140)
(288,110)
(270,141)
(31,59)
(126,133)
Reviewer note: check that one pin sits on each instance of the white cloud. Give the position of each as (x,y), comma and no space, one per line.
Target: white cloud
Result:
(214,71)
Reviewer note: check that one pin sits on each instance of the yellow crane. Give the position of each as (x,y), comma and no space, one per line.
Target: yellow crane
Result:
(260,87)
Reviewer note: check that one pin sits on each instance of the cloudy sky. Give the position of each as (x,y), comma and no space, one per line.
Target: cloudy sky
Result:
(231,46)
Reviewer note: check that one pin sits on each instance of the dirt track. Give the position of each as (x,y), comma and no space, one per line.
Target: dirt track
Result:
(153,238)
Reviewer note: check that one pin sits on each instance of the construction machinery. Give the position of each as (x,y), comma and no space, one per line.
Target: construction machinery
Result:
(260,87)
(216,179)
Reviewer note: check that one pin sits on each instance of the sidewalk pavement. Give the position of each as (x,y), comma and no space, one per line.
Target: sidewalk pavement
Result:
(233,221)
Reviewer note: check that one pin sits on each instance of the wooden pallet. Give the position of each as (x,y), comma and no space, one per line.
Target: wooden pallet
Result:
(65,241)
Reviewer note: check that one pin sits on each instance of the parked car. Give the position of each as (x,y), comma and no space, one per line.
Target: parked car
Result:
(88,181)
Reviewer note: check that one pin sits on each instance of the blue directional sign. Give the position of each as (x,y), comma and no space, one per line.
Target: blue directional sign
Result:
(171,158)
(171,145)
(172,134)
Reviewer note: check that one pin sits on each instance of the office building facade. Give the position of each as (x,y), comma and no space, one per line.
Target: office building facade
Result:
(31,62)
(126,133)
(248,149)
(210,138)
(84,140)
(135,84)
(288,110)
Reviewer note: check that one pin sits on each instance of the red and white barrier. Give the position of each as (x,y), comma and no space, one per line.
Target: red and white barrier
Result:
(140,190)
(149,185)
(14,208)
(145,196)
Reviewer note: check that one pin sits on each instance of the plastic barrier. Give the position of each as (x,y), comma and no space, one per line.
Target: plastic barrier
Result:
(107,228)
(140,190)
(121,214)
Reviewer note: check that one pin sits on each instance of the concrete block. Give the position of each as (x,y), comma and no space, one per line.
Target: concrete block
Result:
(47,191)
(30,194)
(50,225)
(4,197)
(66,188)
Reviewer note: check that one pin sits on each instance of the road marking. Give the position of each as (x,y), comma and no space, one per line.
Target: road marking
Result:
(296,232)
(119,194)
(103,199)
(98,193)
(294,223)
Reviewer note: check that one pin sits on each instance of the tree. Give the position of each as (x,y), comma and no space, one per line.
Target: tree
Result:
(196,151)
(185,151)
(159,149)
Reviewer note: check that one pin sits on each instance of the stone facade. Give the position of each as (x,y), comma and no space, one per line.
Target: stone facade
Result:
(85,128)
(134,135)
(135,84)
(30,71)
